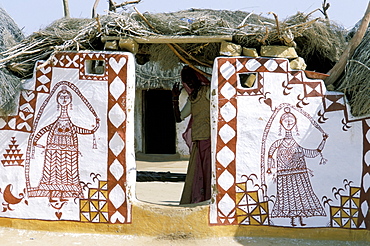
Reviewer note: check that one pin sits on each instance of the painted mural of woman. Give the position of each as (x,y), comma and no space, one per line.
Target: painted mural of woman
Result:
(60,174)
(295,197)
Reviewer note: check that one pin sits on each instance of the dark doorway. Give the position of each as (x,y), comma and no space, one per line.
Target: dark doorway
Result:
(159,122)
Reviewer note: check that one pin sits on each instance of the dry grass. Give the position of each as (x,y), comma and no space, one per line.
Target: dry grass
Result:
(248,30)
(355,82)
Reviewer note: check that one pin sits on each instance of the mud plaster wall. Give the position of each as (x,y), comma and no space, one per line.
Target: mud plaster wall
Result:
(266,174)
(182,148)
(245,126)
(138,121)
(68,154)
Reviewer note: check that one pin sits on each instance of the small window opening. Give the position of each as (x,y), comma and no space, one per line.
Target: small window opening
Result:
(247,80)
(95,67)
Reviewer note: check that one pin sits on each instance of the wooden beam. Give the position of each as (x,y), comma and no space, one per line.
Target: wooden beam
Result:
(175,39)
(339,67)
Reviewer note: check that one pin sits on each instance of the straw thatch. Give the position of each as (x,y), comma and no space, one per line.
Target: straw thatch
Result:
(355,82)
(314,38)
(10,85)
(152,76)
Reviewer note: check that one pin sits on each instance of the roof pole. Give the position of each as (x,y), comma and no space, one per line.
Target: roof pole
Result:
(66,9)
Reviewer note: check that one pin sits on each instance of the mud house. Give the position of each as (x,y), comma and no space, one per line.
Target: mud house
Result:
(279,136)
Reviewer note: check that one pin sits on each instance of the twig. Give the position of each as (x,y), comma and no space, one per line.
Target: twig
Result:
(311,13)
(94,8)
(325,7)
(98,22)
(277,23)
(263,40)
(189,55)
(112,5)
(19,54)
(245,19)
(368,68)
(186,61)
(146,20)
(127,3)
(303,24)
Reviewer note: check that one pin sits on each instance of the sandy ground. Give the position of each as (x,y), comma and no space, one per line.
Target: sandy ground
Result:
(11,237)
(160,192)
(153,192)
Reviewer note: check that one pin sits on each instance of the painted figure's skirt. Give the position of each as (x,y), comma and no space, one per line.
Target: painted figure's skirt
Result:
(295,197)
(60,177)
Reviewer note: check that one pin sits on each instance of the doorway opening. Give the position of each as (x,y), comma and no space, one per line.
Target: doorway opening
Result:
(160,172)
(159,122)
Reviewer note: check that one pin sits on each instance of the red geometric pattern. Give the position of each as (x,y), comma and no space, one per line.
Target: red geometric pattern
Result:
(117,193)
(310,88)
(346,215)
(84,74)
(66,60)
(95,207)
(26,112)
(228,90)
(333,103)
(364,217)
(115,73)
(227,209)
(12,157)
(249,209)
(43,78)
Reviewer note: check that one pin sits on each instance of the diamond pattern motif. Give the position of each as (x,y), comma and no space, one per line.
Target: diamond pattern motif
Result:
(226,205)
(227,70)
(228,112)
(117,196)
(116,169)
(253,65)
(116,115)
(117,87)
(225,156)
(119,206)
(227,133)
(228,91)
(271,65)
(226,180)
(116,144)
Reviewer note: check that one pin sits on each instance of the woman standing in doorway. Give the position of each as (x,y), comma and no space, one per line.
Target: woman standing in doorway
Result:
(197,186)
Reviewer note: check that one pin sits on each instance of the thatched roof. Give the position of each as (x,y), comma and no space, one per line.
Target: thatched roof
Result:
(355,82)
(319,42)
(10,84)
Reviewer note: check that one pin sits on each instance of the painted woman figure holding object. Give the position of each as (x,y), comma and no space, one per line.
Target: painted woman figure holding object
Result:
(197,186)
(295,197)
(60,176)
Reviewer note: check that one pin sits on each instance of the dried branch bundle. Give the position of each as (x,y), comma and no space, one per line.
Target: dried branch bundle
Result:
(248,29)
